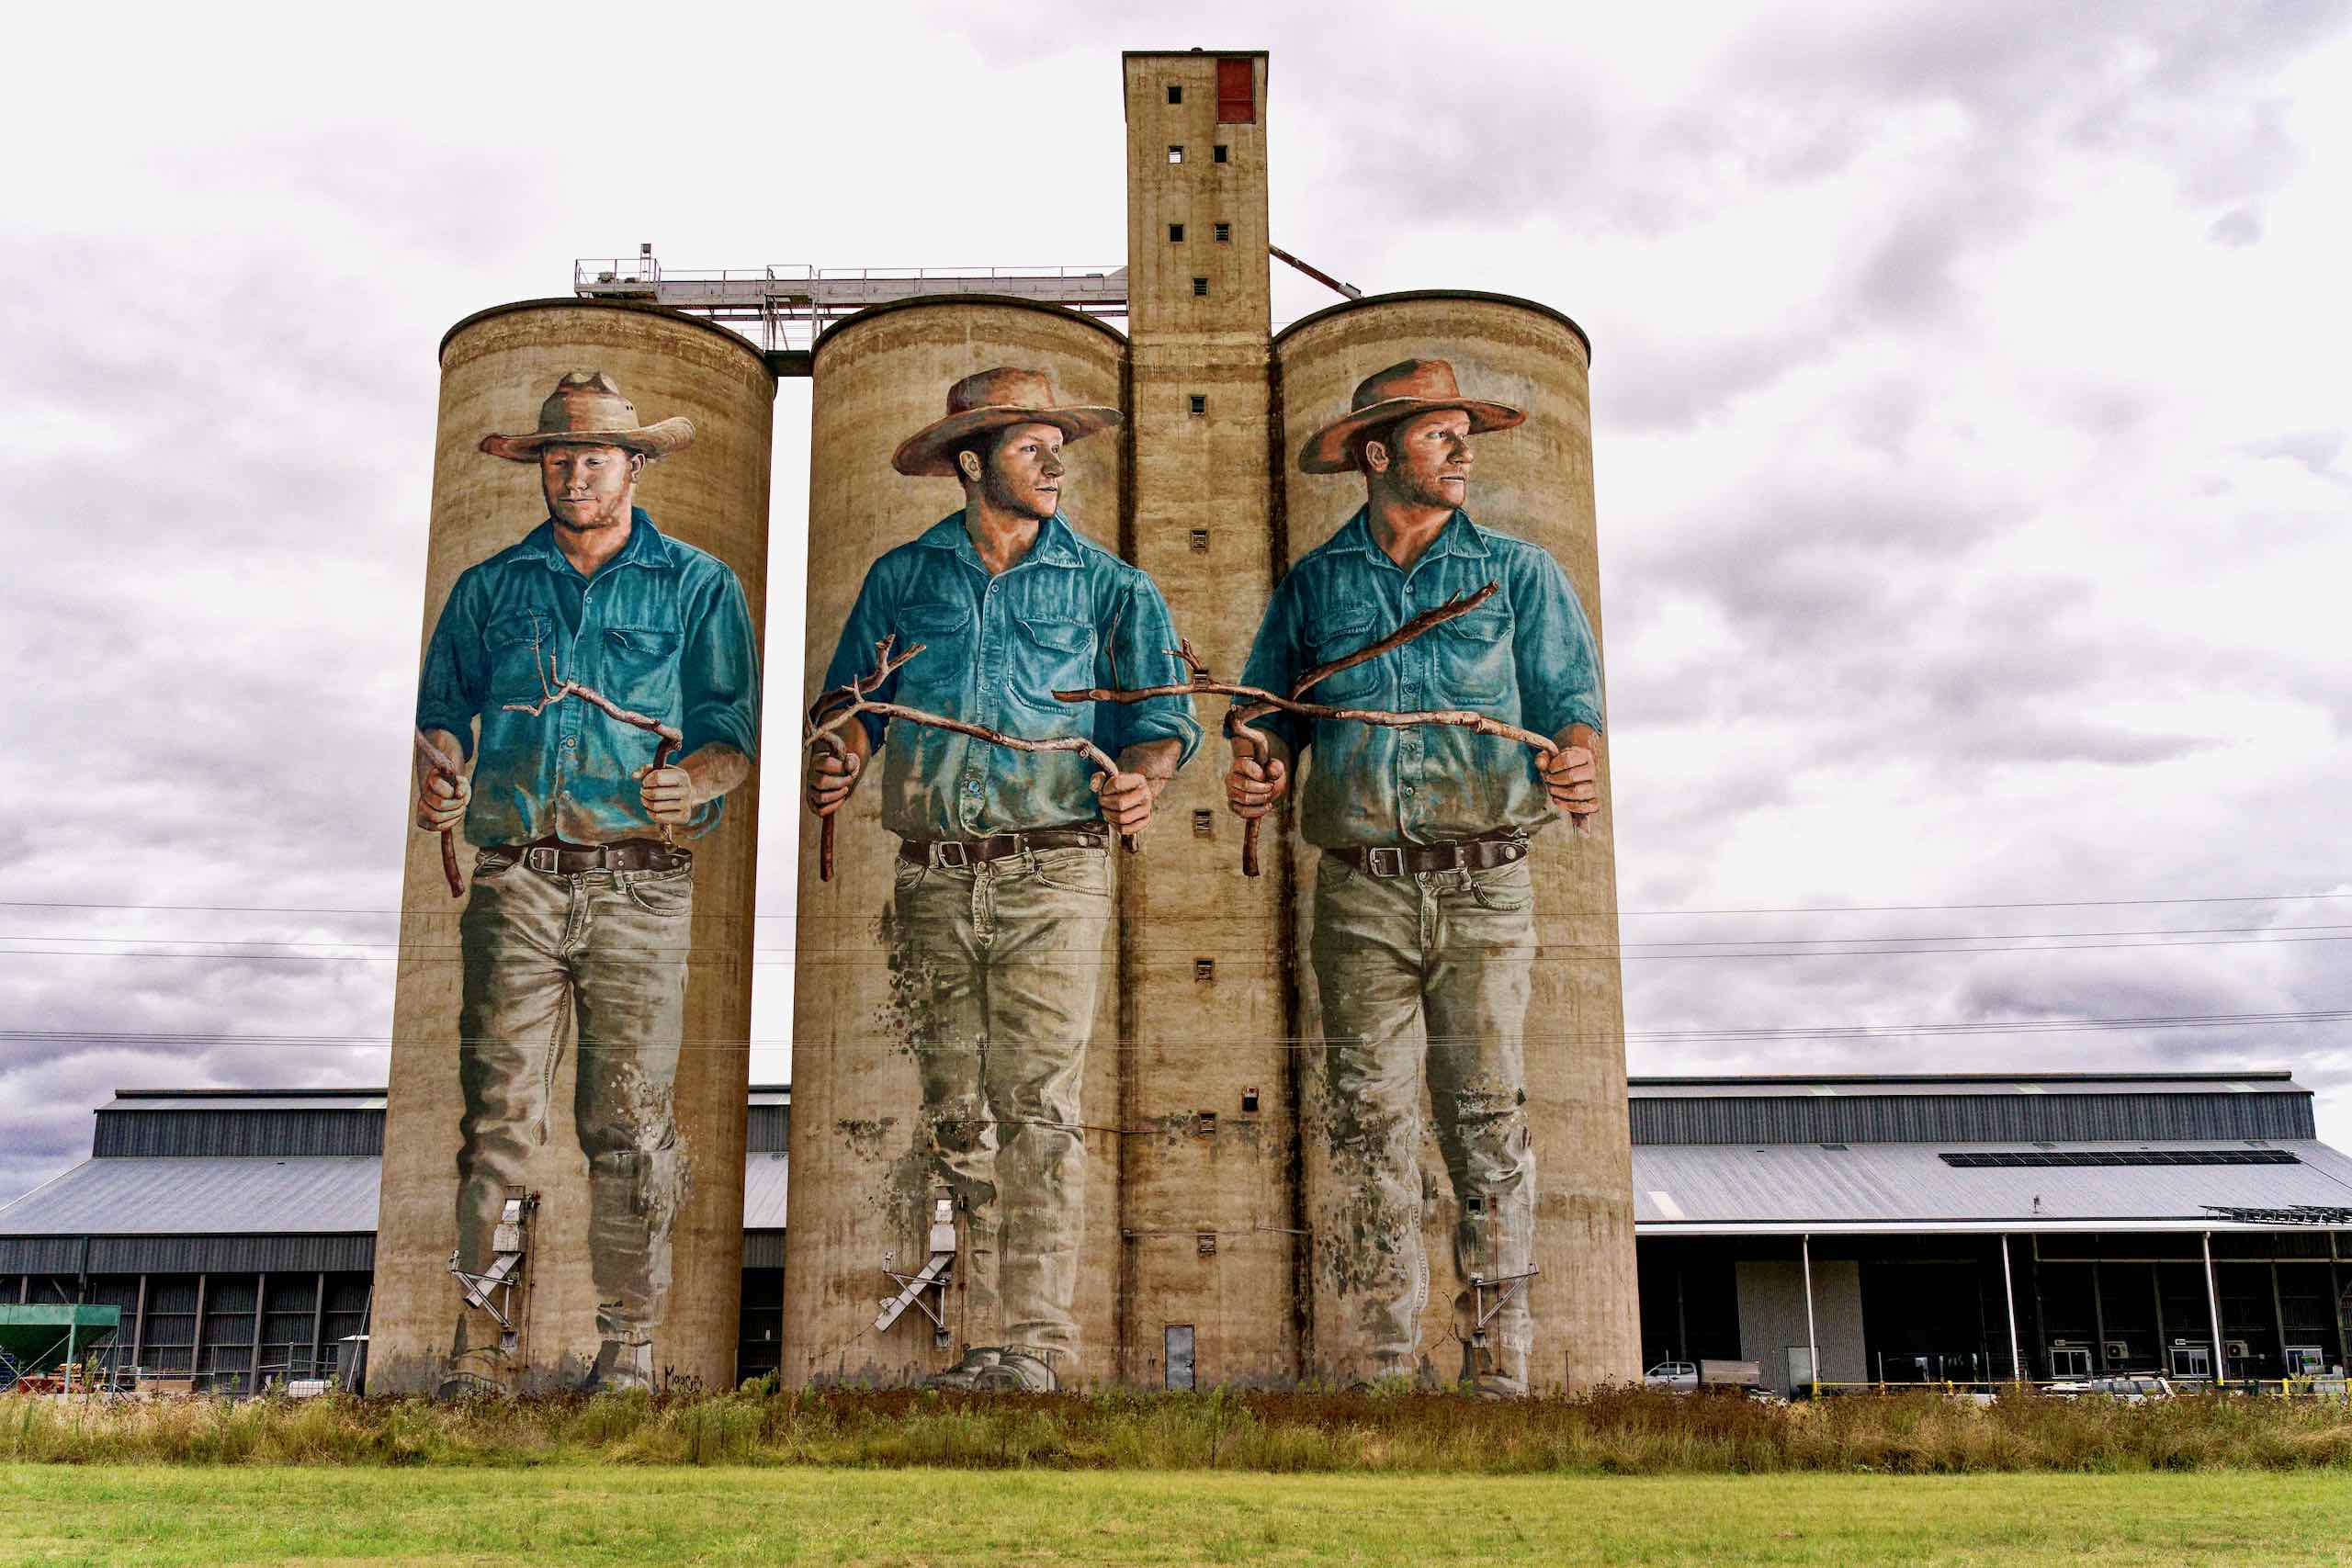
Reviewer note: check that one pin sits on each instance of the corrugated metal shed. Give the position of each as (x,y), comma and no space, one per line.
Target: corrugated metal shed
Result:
(1698,1188)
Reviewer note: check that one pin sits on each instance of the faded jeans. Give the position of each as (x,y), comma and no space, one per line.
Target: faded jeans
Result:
(1421,975)
(611,947)
(995,968)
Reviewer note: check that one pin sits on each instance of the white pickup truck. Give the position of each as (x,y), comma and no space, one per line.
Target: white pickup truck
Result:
(1689,1377)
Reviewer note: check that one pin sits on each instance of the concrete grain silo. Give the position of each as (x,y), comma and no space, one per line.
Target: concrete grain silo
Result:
(863,1196)
(1534,481)
(622,1254)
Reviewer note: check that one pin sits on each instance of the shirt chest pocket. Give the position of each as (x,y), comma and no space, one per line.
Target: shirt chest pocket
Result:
(641,668)
(517,644)
(1331,636)
(944,631)
(1474,657)
(1053,654)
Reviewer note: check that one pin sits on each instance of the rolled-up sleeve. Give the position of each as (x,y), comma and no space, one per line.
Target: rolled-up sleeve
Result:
(719,671)
(455,678)
(1559,659)
(1276,665)
(1138,650)
(872,618)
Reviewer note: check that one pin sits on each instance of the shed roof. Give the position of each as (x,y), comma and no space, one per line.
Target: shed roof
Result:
(1738,1188)
(1769,1085)
(233,1195)
(218,1196)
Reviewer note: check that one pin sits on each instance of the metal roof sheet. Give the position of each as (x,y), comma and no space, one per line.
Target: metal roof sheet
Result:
(181,1100)
(765,1179)
(234,1196)
(1749,1087)
(201,1197)
(1686,1188)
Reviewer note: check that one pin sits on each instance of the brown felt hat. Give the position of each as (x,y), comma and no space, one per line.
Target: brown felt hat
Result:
(1415,386)
(990,401)
(587,409)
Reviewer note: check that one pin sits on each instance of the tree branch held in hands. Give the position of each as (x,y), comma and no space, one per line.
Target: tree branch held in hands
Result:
(1252,702)
(832,712)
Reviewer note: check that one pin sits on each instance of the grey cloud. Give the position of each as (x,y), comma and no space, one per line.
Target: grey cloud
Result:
(2238,227)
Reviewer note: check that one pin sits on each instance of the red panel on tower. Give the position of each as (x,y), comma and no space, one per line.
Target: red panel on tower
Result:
(1237,92)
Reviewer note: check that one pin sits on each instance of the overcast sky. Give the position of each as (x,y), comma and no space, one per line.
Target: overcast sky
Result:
(1968,415)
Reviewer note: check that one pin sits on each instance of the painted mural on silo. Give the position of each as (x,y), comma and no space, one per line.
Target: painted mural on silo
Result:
(1444,707)
(1004,798)
(588,703)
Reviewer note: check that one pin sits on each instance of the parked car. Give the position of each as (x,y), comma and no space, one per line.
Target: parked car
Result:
(1689,1377)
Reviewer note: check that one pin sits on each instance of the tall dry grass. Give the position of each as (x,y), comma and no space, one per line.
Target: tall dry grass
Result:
(1615,1432)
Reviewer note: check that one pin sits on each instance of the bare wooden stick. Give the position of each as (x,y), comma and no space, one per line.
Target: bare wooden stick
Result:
(554,688)
(834,710)
(444,765)
(1452,609)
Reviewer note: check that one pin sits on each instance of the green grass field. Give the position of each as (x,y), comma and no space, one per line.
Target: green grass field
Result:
(599,1514)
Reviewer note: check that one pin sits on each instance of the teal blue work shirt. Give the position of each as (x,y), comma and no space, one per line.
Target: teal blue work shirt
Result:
(1069,615)
(662,629)
(1527,656)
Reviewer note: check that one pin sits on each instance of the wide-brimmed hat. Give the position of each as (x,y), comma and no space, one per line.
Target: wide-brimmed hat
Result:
(1415,386)
(587,409)
(990,401)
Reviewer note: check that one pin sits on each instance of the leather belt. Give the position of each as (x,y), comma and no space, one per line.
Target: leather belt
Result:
(628,855)
(1411,860)
(957,854)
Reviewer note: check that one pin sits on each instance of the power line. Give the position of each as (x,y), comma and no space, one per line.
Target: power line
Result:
(1575,947)
(1290,1042)
(1662,913)
(1546,955)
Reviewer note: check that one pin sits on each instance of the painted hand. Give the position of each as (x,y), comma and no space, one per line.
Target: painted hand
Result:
(831,776)
(1127,800)
(667,793)
(441,802)
(1572,779)
(1251,787)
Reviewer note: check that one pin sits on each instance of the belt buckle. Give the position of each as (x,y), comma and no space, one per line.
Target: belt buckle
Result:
(1394,866)
(952,853)
(541,858)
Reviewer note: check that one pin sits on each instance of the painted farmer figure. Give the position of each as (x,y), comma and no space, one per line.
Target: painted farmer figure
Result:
(580,903)
(1424,937)
(1003,879)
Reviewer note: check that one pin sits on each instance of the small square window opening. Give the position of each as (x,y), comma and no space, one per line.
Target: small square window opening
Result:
(1200,541)
(1205,824)
(1175,233)
(1200,403)
(1175,94)
(1220,154)
(1200,286)
(1225,233)
(1176,155)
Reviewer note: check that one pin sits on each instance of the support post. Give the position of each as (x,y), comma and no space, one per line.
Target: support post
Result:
(261,1302)
(139,1332)
(2099,1319)
(195,1368)
(2213,1310)
(2009,1299)
(1812,1339)
(318,1323)
(2278,1311)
